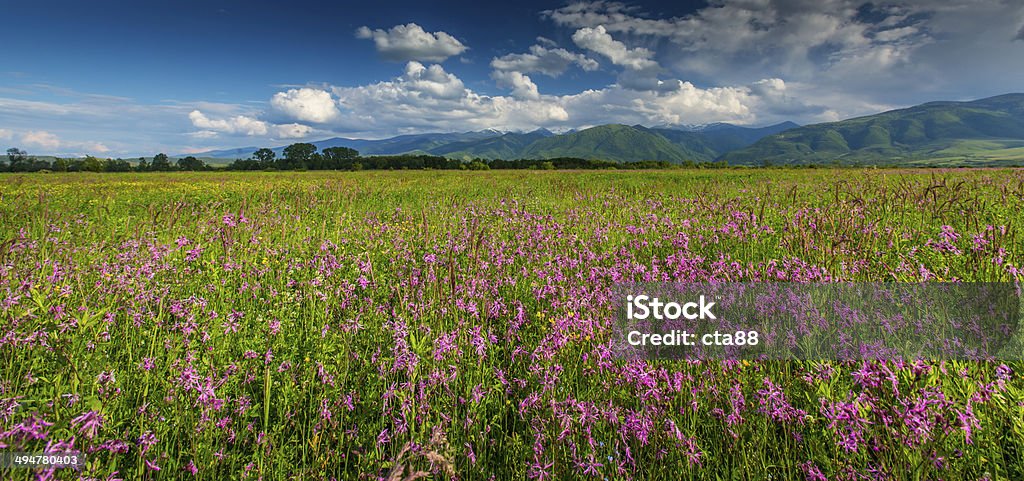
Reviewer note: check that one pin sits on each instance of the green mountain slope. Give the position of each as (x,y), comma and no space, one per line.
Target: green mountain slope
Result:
(620,143)
(506,146)
(606,142)
(706,144)
(946,131)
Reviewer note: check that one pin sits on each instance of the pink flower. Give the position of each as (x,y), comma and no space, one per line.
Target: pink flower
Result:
(88,423)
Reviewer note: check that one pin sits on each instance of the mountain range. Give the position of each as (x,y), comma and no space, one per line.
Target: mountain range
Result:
(616,142)
(982,132)
(979,132)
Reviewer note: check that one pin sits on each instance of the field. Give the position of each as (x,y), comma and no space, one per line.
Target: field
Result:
(453,325)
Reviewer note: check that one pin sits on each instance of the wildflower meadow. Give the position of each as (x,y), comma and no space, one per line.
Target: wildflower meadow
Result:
(399,325)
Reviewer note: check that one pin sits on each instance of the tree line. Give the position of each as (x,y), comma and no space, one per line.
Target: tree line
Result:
(18,160)
(304,156)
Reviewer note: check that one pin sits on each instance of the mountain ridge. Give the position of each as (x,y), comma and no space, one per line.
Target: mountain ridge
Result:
(976,131)
(988,131)
(617,142)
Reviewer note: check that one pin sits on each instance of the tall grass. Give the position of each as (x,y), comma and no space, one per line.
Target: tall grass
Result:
(398,325)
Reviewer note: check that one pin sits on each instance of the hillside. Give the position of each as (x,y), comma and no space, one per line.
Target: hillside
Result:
(977,132)
(505,146)
(620,143)
(710,142)
(606,142)
(394,145)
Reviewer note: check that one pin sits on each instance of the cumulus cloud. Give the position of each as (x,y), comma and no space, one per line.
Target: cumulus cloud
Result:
(522,86)
(686,104)
(540,59)
(306,104)
(428,98)
(598,40)
(763,32)
(546,41)
(432,82)
(239,124)
(92,147)
(411,103)
(42,139)
(410,42)
(894,51)
(774,97)
(245,125)
(52,144)
(292,131)
(6,134)
(88,123)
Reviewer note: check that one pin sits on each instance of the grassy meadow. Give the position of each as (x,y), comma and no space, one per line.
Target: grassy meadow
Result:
(454,325)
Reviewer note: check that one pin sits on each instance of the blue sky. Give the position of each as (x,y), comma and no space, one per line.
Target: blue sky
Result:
(134,78)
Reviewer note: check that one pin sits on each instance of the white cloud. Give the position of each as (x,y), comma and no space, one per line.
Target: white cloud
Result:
(522,86)
(894,52)
(245,125)
(433,81)
(239,124)
(42,139)
(785,35)
(427,98)
(598,40)
(548,61)
(52,144)
(6,134)
(95,147)
(546,41)
(306,104)
(90,123)
(685,104)
(292,131)
(763,34)
(203,134)
(410,42)
(409,104)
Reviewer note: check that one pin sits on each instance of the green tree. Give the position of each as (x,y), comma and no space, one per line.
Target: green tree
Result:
(160,163)
(265,158)
(17,160)
(118,165)
(143,165)
(477,165)
(191,163)
(297,156)
(94,164)
(339,157)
